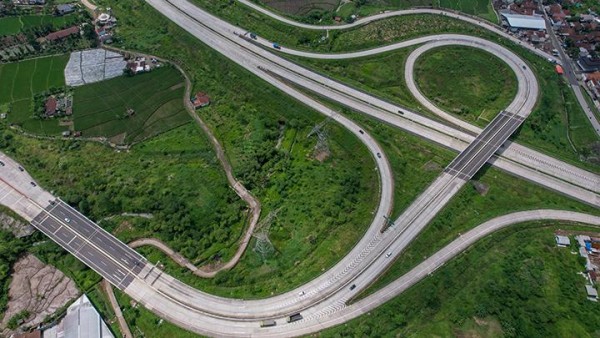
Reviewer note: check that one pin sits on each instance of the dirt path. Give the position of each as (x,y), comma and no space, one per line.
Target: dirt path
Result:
(210,271)
(117,309)
(239,188)
(89,5)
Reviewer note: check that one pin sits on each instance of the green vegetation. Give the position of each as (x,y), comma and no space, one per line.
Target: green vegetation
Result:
(23,31)
(513,283)
(156,98)
(20,81)
(362,37)
(100,301)
(466,81)
(10,250)
(12,25)
(100,109)
(548,129)
(556,119)
(309,8)
(320,12)
(16,320)
(174,176)
(324,199)
(144,323)
(470,208)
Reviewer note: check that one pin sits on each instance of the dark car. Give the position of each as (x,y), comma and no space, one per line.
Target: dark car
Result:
(21,168)
(379,155)
(2,163)
(352,287)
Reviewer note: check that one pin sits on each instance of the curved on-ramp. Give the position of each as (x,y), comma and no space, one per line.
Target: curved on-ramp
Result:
(388,14)
(183,304)
(251,62)
(338,312)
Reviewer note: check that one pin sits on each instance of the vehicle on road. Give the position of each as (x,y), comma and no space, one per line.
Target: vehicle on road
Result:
(21,168)
(294,318)
(400,112)
(33,184)
(379,155)
(301,293)
(387,255)
(253,36)
(352,287)
(276,45)
(361,131)
(2,163)
(68,220)
(268,323)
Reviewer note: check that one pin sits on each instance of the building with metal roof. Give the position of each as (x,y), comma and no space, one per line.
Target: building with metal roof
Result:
(592,293)
(563,241)
(81,321)
(524,21)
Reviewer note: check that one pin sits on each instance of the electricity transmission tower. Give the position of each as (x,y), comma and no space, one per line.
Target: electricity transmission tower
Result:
(322,147)
(263,245)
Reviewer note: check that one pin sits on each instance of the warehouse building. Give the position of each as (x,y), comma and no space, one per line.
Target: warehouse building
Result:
(519,21)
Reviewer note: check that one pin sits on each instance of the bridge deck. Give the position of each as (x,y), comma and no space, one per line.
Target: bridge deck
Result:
(485,145)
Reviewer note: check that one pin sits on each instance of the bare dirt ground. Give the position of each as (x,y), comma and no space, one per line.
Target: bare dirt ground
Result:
(17,227)
(39,289)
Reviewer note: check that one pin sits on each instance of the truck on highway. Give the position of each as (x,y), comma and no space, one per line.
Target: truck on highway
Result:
(268,323)
(294,318)
(276,45)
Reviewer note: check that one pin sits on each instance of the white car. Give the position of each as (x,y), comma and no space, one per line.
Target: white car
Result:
(387,255)
(68,220)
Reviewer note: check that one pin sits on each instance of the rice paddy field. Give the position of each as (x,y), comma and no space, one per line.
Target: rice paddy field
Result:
(20,81)
(99,109)
(15,24)
(156,98)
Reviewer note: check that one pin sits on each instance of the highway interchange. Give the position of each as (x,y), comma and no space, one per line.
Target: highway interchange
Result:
(322,302)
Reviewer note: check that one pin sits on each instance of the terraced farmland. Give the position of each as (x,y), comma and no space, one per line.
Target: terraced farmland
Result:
(156,98)
(20,81)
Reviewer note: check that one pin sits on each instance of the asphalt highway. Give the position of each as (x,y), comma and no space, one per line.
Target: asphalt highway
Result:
(388,14)
(523,162)
(485,145)
(322,301)
(569,71)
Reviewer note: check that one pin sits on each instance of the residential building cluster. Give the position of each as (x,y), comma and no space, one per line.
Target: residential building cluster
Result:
(58,105)
(588,249)
(41,39)
(524,21)
(105,24)
(580,35)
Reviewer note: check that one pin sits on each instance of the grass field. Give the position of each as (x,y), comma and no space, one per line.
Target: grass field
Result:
(156,98)
(20,81)
(556,118)
(467,82)
(469,209)
(514,283)
(14,24)
(324,207)
(174,176)
(304,9)
(10,25)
